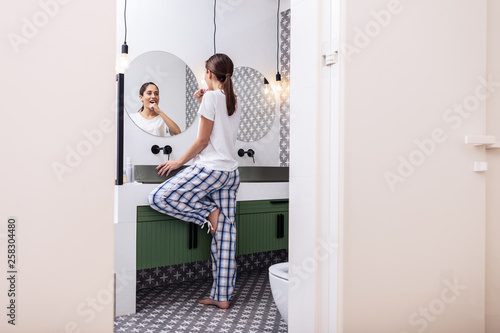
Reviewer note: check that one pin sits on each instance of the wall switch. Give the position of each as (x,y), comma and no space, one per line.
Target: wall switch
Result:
(331,59)
(480,166)
(480,139)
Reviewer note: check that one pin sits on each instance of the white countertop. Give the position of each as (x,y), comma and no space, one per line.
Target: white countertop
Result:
(129,196)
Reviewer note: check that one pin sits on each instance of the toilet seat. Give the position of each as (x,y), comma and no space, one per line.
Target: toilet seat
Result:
(280,270)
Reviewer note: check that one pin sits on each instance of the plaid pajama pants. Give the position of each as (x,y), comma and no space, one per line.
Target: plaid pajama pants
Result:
(191,196)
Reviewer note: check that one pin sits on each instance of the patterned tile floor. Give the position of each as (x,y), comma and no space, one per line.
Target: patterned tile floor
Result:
(174,308)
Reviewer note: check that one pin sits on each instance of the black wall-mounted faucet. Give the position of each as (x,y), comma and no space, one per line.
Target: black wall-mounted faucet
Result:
(166,150)
(249,152)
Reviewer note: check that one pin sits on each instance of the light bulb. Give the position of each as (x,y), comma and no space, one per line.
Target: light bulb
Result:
(278,81)
(122,63)
(266,90)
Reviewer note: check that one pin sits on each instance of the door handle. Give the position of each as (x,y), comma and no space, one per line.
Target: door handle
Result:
(195,237)
(190,239)
(280,226)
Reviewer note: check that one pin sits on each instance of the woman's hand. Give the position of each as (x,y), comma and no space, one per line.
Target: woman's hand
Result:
(198,94)
(156,108)
(167,167)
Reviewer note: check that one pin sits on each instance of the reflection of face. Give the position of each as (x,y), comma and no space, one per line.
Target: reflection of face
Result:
(151,96)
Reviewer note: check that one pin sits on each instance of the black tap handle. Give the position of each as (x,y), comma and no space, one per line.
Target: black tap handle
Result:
(249,152)
(156,149)
(166,150)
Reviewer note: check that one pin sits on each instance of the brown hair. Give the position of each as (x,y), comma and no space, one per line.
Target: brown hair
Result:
(143,89)
(222,67)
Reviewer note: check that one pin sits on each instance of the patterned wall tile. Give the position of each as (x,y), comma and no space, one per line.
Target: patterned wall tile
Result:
(285,93)
(258,108)
(191,103)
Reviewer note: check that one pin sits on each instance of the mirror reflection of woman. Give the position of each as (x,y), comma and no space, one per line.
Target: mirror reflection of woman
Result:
(150,117)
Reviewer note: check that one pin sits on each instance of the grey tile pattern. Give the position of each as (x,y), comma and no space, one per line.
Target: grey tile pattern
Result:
(258,108)
(174,308)
(191,103)
(153,277)
(255,261)
(158,276)
(285,93)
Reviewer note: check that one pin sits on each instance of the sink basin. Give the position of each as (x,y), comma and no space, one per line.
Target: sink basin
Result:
(263,174)
(147,174)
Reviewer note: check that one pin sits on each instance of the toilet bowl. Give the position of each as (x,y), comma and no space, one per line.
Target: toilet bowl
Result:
(278,278)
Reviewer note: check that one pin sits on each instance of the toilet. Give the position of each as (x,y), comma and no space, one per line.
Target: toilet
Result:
(278,278)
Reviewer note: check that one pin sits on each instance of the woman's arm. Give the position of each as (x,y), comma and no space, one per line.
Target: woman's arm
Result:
(198,145)
(172,126)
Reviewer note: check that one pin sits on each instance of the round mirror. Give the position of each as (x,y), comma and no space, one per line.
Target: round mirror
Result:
(258,105)
(176,85)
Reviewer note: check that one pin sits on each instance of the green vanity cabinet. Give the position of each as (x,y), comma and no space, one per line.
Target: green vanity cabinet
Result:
(163,240)
(261,225)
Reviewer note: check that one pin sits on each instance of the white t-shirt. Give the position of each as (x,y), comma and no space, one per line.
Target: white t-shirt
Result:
(220,153)
(155,126)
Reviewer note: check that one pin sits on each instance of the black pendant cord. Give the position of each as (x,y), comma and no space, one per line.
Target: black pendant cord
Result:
(125,20)
(215,24)
(278,38)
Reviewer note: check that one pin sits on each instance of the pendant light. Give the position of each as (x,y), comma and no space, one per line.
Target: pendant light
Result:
(123,61)
(266,86)
(278,75)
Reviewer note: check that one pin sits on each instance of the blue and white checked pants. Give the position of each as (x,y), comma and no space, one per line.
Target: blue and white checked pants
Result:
(191,196)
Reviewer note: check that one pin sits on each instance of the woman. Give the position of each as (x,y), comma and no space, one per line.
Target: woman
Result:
(150,117)
(205,192)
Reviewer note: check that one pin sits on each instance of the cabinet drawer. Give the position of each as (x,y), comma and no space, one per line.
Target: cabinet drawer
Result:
(260,232)
(162,243)
(148,214)
(262,206)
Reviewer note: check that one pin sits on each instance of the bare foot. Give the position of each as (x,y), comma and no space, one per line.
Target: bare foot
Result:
(209,301)
(213,217)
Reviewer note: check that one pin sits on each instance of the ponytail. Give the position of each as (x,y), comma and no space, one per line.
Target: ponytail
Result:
(222,67)
(229,93)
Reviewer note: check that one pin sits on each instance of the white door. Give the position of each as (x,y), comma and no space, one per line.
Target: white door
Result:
(414,214)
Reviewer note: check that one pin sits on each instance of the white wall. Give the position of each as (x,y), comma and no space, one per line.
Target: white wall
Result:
(405,245)
(58,97)
(493,178)
(304,163)
(246,31)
